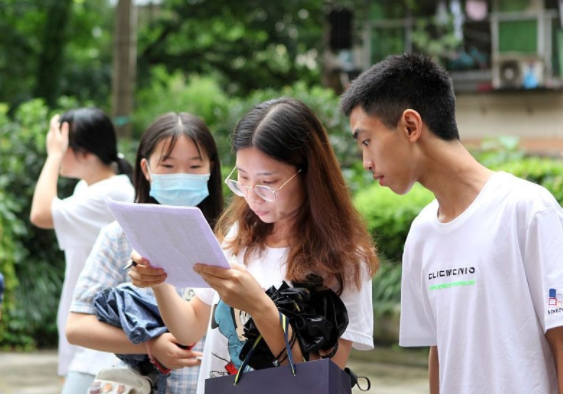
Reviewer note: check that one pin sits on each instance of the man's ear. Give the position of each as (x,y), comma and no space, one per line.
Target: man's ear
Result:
(144,167)
(411,123)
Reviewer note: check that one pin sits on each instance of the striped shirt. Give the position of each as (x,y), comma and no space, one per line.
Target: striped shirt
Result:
(104,269)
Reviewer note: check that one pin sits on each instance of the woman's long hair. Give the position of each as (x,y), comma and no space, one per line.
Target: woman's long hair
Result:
(329,237)
(171,126)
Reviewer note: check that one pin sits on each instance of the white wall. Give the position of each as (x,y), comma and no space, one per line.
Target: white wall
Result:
(535,117)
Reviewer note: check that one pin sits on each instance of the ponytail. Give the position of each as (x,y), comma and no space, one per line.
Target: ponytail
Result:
(124,167)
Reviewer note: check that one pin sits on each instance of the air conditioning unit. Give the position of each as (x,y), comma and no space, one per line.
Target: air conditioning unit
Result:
(517,71)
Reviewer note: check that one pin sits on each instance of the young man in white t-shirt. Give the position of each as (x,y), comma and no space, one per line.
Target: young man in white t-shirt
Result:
(483,264)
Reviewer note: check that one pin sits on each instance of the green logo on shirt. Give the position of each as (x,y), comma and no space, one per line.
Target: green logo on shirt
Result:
(453,284)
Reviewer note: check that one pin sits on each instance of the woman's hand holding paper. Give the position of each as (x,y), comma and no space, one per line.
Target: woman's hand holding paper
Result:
(236,287)
(143,275)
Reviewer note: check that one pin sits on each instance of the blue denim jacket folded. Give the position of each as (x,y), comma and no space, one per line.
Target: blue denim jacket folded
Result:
(136,312)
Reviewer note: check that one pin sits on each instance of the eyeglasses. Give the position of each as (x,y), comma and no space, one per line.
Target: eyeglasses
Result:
(264,192)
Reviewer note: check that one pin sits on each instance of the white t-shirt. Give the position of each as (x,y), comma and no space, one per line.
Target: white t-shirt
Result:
(224,335)
(77,222)
(479,288)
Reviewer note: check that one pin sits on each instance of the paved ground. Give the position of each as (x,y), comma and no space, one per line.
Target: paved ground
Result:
(35,373)
(29,373)
(391,371)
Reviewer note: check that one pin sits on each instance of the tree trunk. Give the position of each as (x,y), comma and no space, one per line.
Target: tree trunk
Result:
(124,66)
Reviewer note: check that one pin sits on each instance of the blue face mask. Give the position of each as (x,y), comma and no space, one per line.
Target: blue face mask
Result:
(181,190)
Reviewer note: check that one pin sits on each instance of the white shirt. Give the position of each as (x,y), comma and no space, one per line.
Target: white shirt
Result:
(77,222)
(224,335)
(478,288)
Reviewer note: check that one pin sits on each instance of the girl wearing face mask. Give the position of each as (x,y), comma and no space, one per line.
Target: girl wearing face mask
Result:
(176,164)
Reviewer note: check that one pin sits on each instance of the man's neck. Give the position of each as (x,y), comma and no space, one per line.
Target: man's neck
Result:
(455,178)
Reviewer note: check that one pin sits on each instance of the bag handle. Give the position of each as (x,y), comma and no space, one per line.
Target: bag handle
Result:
(354,380)
(285,326)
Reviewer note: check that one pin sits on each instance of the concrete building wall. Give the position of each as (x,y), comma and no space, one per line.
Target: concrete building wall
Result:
(536,117)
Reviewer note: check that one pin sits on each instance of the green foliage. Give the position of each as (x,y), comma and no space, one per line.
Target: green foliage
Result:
(545,172)
(503,153)
(386,288)
(389,216)
(12,330)
(246,45)
(41,53)
(201,96)
(50,47)
(88,53)
(435,39)
(494,151)
(20,29)
(204,97)
(323,102)
(30,253)
(51,58)
(249,44)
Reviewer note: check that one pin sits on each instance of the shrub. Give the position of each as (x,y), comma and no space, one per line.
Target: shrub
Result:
(204,98)
(389,216)
(386,288)
(200,96)
(543,171)
(34,267)
(503,153)
(497,150)
(323,102)
(29,315)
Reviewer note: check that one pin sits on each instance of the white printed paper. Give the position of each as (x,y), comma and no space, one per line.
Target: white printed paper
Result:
(172,238)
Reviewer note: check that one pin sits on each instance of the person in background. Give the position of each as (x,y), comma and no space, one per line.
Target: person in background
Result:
(483,262)
(292,218)
(177,164)
(82,144)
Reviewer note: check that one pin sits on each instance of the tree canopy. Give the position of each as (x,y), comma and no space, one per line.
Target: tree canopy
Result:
(64,47)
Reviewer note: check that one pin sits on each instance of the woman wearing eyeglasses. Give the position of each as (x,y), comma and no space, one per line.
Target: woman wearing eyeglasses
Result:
(293,217)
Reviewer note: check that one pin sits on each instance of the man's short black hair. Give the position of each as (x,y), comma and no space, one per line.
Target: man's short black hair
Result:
(401,82)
